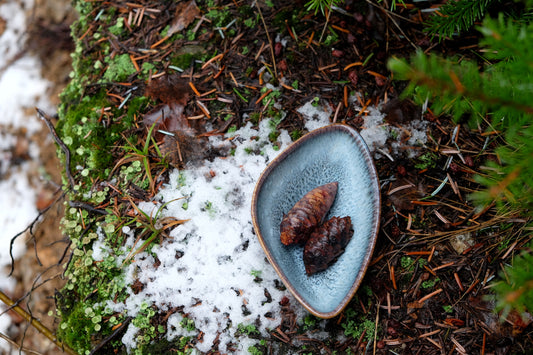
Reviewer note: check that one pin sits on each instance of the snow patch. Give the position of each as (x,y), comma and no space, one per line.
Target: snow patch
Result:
(213,265)
(316,116)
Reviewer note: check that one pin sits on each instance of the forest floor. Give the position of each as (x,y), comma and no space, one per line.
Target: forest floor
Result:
(428,286)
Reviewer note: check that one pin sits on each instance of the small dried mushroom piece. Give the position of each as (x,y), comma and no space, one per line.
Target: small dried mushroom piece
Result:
(326,243)
(307,213)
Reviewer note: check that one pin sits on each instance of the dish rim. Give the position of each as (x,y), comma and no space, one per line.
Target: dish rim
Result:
(375,226)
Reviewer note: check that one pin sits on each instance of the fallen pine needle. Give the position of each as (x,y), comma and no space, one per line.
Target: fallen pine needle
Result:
(352,65)
(217,57)
(430,333)
(194,89)
(443,266)
(427,297)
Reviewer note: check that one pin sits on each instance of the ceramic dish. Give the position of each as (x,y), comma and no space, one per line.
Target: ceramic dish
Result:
(332,153)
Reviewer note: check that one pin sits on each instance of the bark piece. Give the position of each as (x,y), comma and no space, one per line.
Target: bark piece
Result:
(307,213)
(326,243)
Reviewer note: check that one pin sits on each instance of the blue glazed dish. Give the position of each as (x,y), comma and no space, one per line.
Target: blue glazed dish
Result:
(332,153)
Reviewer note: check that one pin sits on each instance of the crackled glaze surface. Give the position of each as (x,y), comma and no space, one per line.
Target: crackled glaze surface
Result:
(332,153)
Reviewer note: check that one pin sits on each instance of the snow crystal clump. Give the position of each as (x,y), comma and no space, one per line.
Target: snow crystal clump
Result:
(316,116)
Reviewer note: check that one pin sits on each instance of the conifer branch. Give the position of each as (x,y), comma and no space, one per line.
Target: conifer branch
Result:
(455,17)
(456,88)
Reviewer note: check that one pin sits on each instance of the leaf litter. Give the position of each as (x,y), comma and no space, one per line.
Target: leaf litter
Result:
(211,270)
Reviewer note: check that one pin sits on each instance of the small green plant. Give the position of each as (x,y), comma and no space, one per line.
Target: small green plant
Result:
(448,308)
(250,22)
(147,331)
(248,329)
(119,68)
(310,322)
(429,283)
(426,161)
(270,99)
(256,273)
(321,5)
(151,226)
(143,154)
(118,28)
(295,134)
(407,263)
(253,350)
(209,208)
(354,327)
(188,324)
(295,84)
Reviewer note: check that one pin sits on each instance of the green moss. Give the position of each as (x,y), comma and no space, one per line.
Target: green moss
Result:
(427,160)
(77,323)
(296,134)
(120,67)
(248,329)
(178,347)
(220,16)
(79,302)
(83,133)
(147,67)
(93,127)
(186,55)
(429,283)
(118,28)
(182,61)
(135,105)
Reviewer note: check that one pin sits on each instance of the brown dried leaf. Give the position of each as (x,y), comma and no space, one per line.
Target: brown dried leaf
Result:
(168,118)
(174,92)
(520,321)
(169,89)
(183,17)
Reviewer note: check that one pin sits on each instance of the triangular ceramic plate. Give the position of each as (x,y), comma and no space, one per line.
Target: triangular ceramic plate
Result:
(332,153)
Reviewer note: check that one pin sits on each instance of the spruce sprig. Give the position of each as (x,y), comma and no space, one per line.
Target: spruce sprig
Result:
(518,292)
(500,93)
(503,87)
(455,17)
